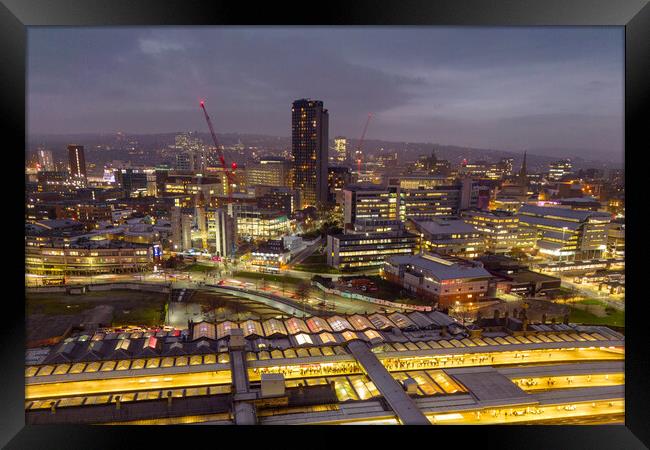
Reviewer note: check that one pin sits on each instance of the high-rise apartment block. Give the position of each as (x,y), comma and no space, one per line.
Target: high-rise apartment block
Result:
(77,161)
(309,146)
(45,160)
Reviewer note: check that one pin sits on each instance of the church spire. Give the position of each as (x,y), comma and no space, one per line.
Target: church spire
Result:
(522,172)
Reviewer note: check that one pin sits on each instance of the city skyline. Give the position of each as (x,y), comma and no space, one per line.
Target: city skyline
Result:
(504,88)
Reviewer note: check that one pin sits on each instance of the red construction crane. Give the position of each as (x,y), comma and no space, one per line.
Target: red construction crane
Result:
(359,146)
(229,172)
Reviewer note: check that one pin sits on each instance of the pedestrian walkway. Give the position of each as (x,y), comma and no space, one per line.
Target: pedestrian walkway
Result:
(403,405)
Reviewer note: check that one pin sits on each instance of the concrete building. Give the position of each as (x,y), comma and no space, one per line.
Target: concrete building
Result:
(255,224)
(371,226)
(181,224)
(134,182)
(277,198)
(341,152)
(370,202)
(425,197)
(516,278)
(338,178)
(271,255)
(190,154)
(564,233)
(88,259)
(309,147)
(351,251)
(500,229)
(269,171)
(444,280)
(221,232)
(616,238)
(191,185)
(558,169)
(45,160)
(450,236)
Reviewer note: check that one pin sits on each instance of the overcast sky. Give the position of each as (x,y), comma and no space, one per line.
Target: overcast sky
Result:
(501,88)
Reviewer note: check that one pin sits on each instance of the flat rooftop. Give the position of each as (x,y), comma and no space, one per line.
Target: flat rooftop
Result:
(440,269)
(441,226)
(489,386)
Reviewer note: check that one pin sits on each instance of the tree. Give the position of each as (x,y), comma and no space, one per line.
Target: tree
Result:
(302,292)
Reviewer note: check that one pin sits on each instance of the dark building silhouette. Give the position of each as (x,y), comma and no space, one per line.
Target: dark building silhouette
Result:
(77,161)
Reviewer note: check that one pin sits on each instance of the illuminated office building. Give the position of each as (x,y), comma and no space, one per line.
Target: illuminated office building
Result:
(58,181)
(449,236)
(270,171)
(559,169)
(341,154)
(363,202)
(256,224)
(566,233)
(210,186)
(349,251)
(500,229)
(84,259)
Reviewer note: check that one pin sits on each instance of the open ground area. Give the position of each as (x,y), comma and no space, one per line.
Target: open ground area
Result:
(596,313)
(217,306)
(129,307)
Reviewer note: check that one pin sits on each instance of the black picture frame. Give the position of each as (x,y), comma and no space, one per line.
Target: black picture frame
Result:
(634,15)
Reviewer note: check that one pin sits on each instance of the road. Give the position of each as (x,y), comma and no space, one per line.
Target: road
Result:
(304,254)
(317,300)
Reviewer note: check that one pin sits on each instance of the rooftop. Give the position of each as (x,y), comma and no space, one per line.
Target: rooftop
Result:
(441,226)
(561,213)
(441,268)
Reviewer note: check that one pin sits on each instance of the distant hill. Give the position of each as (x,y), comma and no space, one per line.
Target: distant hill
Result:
(538,159)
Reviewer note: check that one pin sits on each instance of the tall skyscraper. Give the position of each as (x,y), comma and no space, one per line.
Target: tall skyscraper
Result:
(341,149)
(309,141)
(45,160)
(77,161)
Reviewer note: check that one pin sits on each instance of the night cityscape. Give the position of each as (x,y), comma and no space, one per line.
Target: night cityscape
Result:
(284,226)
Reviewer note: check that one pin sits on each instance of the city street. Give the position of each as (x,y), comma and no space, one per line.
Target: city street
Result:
(327,303)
